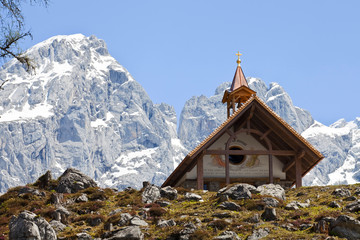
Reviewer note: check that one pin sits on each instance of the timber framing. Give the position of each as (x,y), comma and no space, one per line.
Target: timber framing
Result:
(278,138)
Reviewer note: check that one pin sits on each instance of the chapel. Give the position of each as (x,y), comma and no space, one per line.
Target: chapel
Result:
(254,145)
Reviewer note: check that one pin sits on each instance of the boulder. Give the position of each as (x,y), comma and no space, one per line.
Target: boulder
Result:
(113,212)
(254,219)
(57,198)
(295,205)
(169,193)
(227,235)
(166,223)
(192,197)
(334,204)
(163,203)
(72,181)
(269,214)
(61,214)
(341,192)
(258,234)
(353,207)
(127,233)
(32,191)
(274,190)
(44,181)
(28,226)
(346,227)
(94,221)
(351,198)
(136,221)
(229,206)
(57,225)
(237,191)
(321,227)
(82,198)
(124,219)
(270,202)
(222,215)
(150,194)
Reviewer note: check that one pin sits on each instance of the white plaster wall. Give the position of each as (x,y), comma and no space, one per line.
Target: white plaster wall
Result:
(253,166)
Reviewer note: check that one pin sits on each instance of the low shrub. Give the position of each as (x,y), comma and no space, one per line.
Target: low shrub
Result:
(218,224)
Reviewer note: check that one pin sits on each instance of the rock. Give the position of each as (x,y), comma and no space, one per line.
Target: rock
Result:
(353,207)
(28,226)
(321,227)
(270,202)
(163,203)
(269,214)
(254,219)
(127,233)
(227,235)
(192,197)
(82,198)
(83,236)
(258,234)
(229,206)
(61,214)
(94,221)
(124,219)
(32,191)
(237,191)
(295,205)
(113,212)
(57,225)
(341,192)
(145,184)
(136,221)
(72,181)
(305,226)
(57,198)
(169,193)
(334,204)
(150,194)
(223,198)
(289,227)
(351,198)
(44,181)
(108,226)
(166,223)
(187,231)
(274,190)
(346,227)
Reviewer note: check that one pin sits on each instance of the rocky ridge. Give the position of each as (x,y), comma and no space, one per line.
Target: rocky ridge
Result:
(239,211)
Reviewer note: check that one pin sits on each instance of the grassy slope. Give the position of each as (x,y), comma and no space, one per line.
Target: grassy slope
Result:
(103,201)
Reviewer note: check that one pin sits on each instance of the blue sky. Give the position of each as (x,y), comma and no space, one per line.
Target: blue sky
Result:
(178,49)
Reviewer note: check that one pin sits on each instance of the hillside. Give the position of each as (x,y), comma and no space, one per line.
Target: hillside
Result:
(77,209)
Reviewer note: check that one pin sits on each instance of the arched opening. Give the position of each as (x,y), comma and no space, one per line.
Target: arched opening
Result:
(236,159)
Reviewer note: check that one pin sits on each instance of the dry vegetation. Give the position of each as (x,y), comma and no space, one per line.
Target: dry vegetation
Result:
(103,201)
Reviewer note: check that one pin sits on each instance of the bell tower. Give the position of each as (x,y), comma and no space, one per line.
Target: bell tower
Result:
(239,91)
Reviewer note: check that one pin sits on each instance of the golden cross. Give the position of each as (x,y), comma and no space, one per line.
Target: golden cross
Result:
(238,61)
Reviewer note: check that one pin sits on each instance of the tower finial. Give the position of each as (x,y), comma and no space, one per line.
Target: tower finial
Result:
(238,60)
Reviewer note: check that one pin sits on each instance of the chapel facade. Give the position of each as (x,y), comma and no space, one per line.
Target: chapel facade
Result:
(254,145)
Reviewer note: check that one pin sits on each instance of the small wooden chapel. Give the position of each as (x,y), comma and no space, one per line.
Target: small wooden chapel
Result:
(254,145)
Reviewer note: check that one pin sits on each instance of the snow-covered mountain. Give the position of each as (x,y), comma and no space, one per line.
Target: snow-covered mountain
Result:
(82,109)
(340,144)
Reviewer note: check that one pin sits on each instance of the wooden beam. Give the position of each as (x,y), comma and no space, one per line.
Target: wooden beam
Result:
(265,134)
(200,173)
(292,162)
(251,152)
(227,169)
(271,171)
(298,173)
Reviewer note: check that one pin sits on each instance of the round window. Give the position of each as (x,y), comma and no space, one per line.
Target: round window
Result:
(236,159)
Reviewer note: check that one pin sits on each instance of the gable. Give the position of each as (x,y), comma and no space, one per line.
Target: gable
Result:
(277,137)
